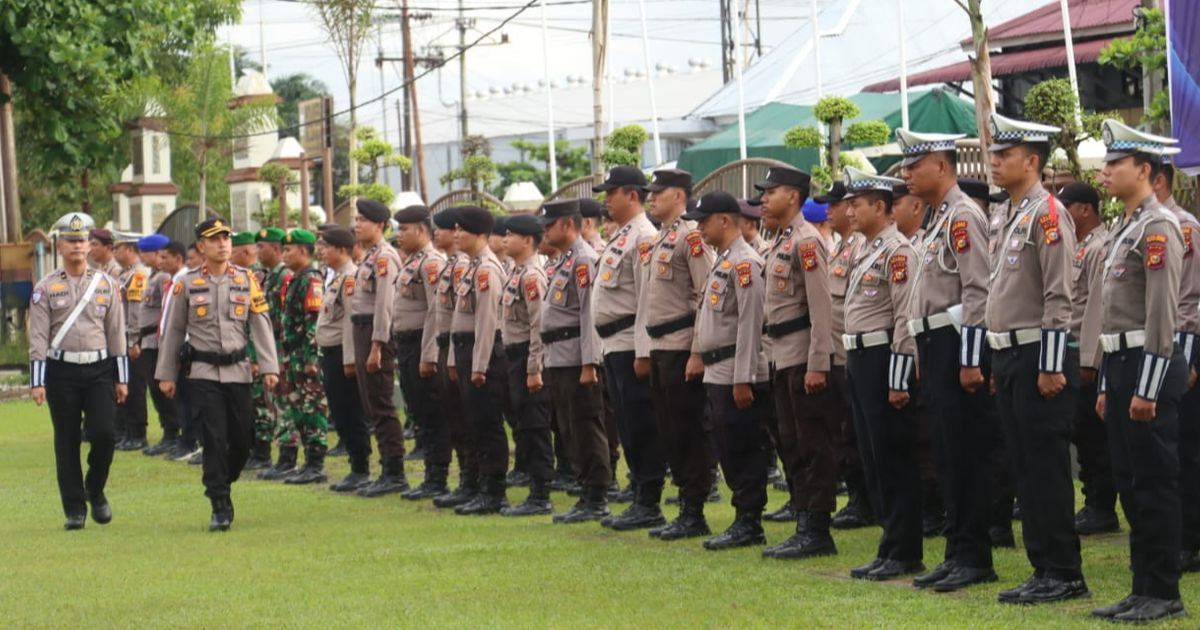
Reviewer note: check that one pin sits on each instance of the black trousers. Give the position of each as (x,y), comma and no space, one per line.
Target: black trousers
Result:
(809,432)
(531,417)
(190,431)
(683,423)
(886,440)
(168,417)
(345,408)
(226,421)
(131,414)
(963,430)
(1037,431)
(849,458)
(1091,448)
(743,444)
(452,416)
(630,397)
(1189,468)
(421,396)
(483,407)
(1145,459)
(81,398)
(580,414)
(376,390)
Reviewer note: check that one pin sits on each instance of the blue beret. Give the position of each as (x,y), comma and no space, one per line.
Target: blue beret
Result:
(152,242)
(815,212)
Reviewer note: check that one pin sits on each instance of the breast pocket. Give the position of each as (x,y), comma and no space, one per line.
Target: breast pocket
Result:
(609,275)
(662,266)
(200,305)
(1013,251)
(558,291)
(239,303)
(780,276)
(718,295)
(407,289)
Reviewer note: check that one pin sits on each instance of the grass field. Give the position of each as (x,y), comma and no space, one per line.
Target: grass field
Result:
(304,557)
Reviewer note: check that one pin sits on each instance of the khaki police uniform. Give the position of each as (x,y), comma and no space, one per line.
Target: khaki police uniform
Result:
(150,314)
(345,407)
(521,314)
(131,415)
(1188,337)
(448,392)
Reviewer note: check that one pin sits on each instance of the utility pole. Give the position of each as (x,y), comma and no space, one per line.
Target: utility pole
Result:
(726,61)
(462,68)
(404,177)
(8,164)
(599,52)
(412,94)
(382,90)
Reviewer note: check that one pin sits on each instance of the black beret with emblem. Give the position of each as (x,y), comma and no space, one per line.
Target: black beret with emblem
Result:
(474,219)
(372,210)
(836,192)
(445,219)
(716,202)
(501,227)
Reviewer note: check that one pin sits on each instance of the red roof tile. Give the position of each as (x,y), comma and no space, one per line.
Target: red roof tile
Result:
(1085,15)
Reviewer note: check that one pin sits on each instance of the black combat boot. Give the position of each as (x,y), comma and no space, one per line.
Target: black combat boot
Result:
(810,540)
(360,475)
(645,511)
(222,514)
(536,504)
(689,524)
(785,514)
(857,512)
(282,468)
(391,481)
(592,506)
(314,468)
(434,485)
(745,531)
(260,456)
(468,487)
(492,500)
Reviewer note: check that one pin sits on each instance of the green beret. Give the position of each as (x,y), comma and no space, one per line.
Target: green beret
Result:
(243,238)
(300,237)
(270,235)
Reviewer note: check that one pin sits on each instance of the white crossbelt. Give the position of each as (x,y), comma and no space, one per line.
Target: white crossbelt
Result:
(1005,340)
(923,325)
(79,358)
(1117,342)
(865,340)
(79,306)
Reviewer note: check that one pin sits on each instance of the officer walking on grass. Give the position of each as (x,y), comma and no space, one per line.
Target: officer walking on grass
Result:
(78,365)
(215,310)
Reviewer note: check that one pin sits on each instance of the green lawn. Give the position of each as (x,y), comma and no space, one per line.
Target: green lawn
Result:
(304,557)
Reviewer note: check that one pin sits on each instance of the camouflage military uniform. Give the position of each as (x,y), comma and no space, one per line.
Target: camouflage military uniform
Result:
(305,417)
(264,405)
(274,285)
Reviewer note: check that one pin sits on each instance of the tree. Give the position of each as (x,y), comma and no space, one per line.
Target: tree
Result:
(348,23)
(478,171)
(572,163)
(71,60)
(376,153)
(624,147)
(834,111)
(1147,50)
(1053,102)
(292,89)
(981,70)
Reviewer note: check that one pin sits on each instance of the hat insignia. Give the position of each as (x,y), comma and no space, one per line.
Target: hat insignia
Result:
(76,223)
(1107,134)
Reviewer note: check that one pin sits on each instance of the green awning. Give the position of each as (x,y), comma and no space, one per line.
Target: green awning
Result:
(931,111)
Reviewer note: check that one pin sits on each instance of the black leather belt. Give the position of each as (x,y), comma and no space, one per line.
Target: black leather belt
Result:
(516,350)
(146,330)
(466,338)
(408,336)
(443,340)
(666,328)
(560,334)
(363,320)
(219,359)
(775,331)
(718,355)
(616,326)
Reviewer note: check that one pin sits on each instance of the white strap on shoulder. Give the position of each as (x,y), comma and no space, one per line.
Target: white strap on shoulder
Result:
(79,306)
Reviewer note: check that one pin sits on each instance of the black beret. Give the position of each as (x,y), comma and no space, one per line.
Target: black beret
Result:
(326,226)
(412,214)
(524,224)
(501,227)
(445,219)
(372,210)
(559,208)
(474,219)
(590,208)
(621,176)
(338,236)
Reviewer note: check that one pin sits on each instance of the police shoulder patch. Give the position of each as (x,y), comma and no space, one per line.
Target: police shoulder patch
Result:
(695,243)
(899,267)
(483,280)
(531,288)
(583,275)
(178,288)
(1156,251)
(808,255)
(1050,229)
(959,236)
(745,274)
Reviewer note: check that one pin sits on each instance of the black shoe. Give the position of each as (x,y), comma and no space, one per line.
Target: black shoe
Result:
(351,482)
(338,451)
(282,468)
(774,474)
(672,500)
(575,489)
(161,448)
(1151,609)
(892,569)
(714,495)
(255,463)
(1090,521)
(1049,590)
(626,495)
(938,574)
(861,572)
(636,516)
(811,539)
(582,512)
(933,524)
(1002,537)
(222,515)
(785,514)
(132,444)
(517,478)
(530,507)
(962,577)
(856,514)
(176,451)
(689,524)
(308,475)
(1108,612)
(483,503)
(428,489)
(197,457)
(459,496)
(101,510)
(75,521)
(1013,595)
(384,485)
(561,483)
(745,531)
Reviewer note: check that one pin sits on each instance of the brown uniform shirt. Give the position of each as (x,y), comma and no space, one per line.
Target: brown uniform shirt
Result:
(416,302)
(1031,241)
(797,275)
(731,314)
(211,313)
(840,257)
(452,271)
(477,307)
(331,324)
(569,305)
(522,310)
(100,325)
(151,309)
(676,264)
(1141,287)
(878,296)
(373,292)
(619,282)
(1087,276)
(952,269)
